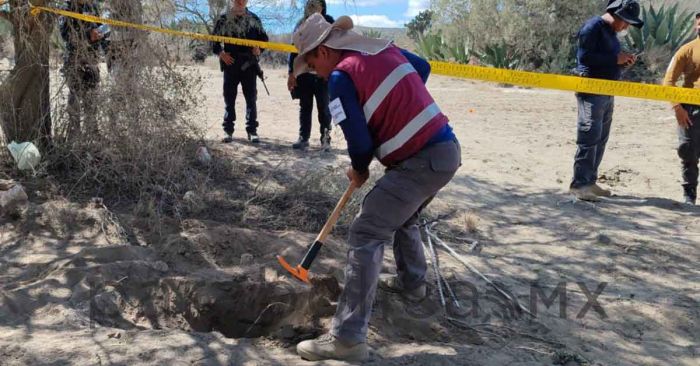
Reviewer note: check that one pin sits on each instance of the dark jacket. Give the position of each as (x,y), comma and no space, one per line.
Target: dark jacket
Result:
(597,50)
(247,26)
(76,35)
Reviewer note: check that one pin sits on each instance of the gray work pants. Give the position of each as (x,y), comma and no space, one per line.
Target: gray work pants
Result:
(389,215)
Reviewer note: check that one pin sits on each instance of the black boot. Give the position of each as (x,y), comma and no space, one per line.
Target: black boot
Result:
(301,144)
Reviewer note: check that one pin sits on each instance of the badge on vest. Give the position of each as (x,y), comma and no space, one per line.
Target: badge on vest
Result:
(337,111)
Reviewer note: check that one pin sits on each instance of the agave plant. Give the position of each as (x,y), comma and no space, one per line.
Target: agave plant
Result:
(459,51)
(667,27)
(430,46)
(435,46)
(499,55)
(372,33)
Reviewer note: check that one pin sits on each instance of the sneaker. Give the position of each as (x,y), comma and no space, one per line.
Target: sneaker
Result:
(328,347)
(228,139)
(688,200)
(392,283)
(690,195)
(253,137)
(301,144)
(600,191)
(585,194)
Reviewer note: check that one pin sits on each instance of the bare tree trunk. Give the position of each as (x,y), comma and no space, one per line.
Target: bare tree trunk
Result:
(25,109)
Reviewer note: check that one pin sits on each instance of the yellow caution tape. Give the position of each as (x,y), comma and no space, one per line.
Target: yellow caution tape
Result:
(570,83)
(281,47)
(512,77)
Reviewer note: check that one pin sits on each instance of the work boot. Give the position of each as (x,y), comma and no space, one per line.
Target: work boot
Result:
(328,347)
(301,144)
(600,191)
(584,194)
(689,196)
(392,283)
(253,137)
(228,139)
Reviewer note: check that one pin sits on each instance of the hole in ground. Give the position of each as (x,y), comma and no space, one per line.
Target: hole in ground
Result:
(239,306)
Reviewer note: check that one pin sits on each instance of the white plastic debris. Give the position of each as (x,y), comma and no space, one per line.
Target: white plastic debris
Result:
(203,155)
(25,154)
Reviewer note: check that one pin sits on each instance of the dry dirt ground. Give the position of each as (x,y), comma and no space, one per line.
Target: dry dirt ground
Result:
(82,285)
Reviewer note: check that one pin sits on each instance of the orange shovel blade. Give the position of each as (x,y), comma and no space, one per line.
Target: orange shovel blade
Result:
(299,272)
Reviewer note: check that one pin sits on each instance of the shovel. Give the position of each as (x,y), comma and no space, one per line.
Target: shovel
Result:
(301,271)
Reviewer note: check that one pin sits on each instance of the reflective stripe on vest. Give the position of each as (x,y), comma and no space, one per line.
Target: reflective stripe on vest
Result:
(408,131)
(385,87)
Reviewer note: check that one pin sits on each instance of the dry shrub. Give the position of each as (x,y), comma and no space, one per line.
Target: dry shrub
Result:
(304,203)
(143,148)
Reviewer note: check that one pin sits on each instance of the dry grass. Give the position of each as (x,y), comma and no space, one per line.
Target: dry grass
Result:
(143,149)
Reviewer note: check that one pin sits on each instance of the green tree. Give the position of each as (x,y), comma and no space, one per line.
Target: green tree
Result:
(542,32)
(419,25)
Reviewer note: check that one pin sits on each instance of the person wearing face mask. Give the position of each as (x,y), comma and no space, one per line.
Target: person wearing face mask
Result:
(307,86)
(686,62)
(237,64)
(599,56)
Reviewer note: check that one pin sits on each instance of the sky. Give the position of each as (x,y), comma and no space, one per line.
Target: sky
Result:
(378,13)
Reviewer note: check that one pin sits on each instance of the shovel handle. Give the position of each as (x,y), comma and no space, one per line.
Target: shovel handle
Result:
(335,214)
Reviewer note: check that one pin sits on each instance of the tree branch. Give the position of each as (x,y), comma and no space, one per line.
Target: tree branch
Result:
(197,14)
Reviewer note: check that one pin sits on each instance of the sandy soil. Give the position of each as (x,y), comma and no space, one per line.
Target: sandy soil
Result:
(76,287)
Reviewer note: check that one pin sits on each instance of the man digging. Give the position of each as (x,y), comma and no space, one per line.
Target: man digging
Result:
(379,99)
(686,62)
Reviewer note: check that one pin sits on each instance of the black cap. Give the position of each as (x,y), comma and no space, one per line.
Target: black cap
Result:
(697,15)
(627,10)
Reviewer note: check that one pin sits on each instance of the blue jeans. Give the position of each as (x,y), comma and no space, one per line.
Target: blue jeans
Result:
(595,114)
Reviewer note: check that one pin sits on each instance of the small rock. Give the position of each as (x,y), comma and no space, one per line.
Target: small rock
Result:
(115,335)
(193,202)
(160,266)
(6,185)
(287,332)
(13,199)
(246,259)
(270,275)
(604,239)
(108,303)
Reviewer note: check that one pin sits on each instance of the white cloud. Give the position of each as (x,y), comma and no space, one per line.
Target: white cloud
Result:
(357,3)
(416,6)
(377,21)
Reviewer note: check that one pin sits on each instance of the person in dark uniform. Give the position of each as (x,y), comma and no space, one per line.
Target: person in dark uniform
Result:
(239,65)
(80,65)
(307,86)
